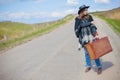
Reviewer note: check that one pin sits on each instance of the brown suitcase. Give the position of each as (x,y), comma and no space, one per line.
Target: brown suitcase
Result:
(98,48)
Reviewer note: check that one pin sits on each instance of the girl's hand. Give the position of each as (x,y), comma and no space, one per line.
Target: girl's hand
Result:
(92,22)
(96,37)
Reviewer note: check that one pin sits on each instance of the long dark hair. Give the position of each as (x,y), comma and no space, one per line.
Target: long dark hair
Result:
(80,13)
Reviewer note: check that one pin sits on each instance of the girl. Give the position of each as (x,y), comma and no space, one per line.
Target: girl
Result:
(86,32)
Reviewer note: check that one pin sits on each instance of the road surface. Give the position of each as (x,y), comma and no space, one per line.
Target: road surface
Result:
(54,56)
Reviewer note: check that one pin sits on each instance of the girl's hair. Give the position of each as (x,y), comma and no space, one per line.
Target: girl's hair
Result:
(87,16)
(81,15)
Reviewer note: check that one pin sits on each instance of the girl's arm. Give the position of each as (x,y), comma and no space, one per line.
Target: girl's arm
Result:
(85,24)
(77,27)
(88,23)
(95,28)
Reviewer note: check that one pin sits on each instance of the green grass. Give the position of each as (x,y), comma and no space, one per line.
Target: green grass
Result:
(115,24)
(19,32)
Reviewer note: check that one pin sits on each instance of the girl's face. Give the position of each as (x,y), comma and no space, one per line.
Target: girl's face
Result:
(85,12)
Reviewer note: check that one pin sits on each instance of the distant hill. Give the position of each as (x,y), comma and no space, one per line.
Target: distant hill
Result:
(113,14)
(13,33)
(17,29)
(112,17)
(14,29)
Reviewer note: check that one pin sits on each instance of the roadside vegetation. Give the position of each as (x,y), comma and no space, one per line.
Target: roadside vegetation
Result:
(14,33)
(112,17)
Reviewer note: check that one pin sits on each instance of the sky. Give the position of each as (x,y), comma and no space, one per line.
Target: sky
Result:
(38,11)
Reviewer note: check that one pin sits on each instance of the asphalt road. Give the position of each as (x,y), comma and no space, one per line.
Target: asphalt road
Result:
(54,56)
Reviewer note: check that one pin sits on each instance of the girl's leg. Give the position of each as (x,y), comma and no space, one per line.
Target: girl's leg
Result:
(98,63)
(87,57)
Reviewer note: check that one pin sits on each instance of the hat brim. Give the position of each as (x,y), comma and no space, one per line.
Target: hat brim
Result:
(87,6)
(82,9)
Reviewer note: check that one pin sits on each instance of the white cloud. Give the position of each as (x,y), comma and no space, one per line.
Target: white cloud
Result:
(101,1)
(57,14)
(29,15)
(18,15)
(70,11)
(63,13)
(72,2)
(9,1)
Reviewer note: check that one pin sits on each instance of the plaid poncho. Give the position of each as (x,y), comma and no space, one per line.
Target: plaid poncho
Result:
(84,30)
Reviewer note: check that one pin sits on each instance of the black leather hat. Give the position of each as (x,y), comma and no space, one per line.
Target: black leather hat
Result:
(82,7)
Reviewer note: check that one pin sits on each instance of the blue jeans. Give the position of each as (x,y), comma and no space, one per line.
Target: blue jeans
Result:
(88,60)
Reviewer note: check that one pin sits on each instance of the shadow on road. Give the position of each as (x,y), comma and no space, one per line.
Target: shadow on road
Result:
(105,65)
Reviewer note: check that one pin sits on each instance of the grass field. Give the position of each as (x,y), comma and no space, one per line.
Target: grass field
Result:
(113,22)
(112,17)
(13,33)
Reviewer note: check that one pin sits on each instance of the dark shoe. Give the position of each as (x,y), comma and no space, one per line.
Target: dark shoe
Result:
(99,71)
(78,49)
(88,69)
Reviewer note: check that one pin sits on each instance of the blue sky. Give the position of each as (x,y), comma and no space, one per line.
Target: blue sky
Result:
(37,11)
